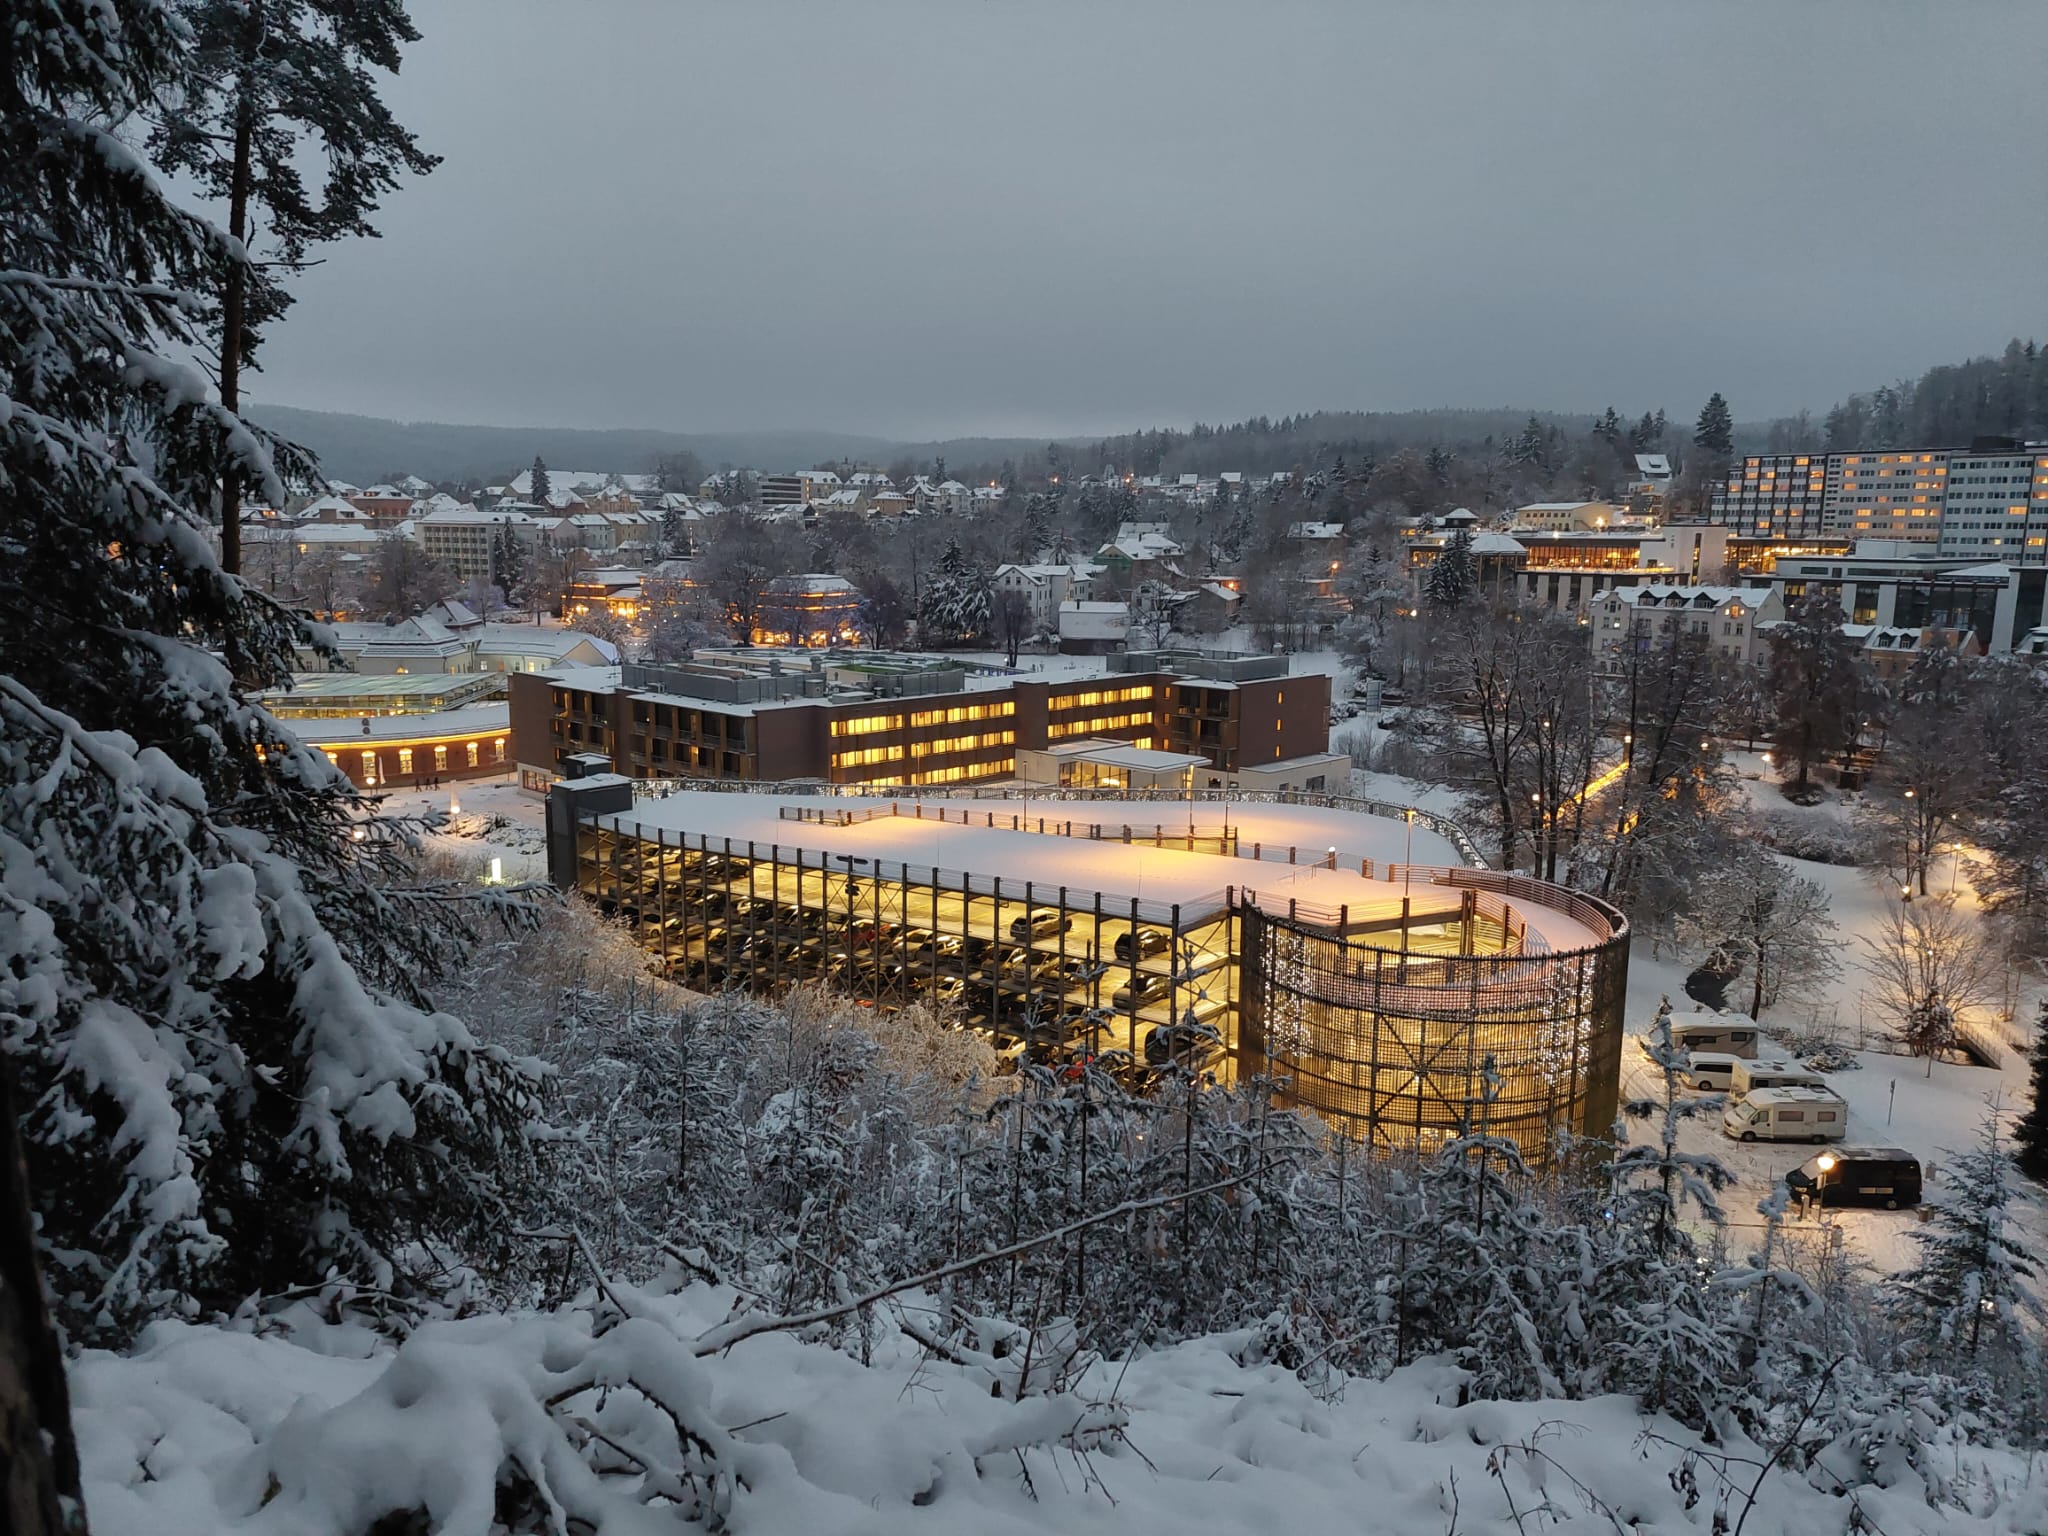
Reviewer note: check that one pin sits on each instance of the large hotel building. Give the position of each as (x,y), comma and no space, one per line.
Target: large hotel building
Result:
(1989,500)
(869,718)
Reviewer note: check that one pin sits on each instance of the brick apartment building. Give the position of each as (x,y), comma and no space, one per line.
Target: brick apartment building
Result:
(874,718)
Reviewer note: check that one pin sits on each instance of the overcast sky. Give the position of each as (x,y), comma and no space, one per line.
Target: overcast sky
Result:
(1033,217)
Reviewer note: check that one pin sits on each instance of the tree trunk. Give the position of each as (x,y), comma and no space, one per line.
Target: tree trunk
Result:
(235,302)
(39,1490)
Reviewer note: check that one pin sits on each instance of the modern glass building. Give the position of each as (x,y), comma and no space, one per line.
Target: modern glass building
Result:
(1286,938)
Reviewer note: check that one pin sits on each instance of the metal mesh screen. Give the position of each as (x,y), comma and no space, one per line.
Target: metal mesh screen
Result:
(1406,1049)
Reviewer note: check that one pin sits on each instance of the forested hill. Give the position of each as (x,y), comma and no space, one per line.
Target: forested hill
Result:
(1947,406)
(2005,396)
(365,449)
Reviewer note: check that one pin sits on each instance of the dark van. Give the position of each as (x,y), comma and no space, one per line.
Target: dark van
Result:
(1882,1176)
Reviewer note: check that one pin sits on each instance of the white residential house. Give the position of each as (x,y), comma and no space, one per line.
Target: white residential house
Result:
(1653,474)
(1566,516)
(1046,587)
(1733,621)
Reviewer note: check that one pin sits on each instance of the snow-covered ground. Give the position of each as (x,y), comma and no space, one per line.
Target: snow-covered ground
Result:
(483,819)
(206,1432)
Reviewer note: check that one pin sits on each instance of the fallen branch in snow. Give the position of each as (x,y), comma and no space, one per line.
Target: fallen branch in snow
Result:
(723,1337)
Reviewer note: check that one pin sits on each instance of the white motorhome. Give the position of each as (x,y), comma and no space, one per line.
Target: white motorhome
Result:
(1749,1076)
(1732,1033)
(1787,1114)
(1711,1069)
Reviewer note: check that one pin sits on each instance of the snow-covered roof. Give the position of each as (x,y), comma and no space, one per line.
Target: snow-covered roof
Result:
(463,513)
(337,507)
(1672,595)
(1497,544)
(1167,874)
(346,535)
(521,484)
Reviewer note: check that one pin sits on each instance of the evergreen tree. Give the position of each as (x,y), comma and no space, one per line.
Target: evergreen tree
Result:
(508,564)
(954,607)
(265,90)
(210,974)
(2030,1135)
(1453,577)
(1817,685)
(1531,448)
(540,487)
(1034,534)
(1970,1270)
(1715,432)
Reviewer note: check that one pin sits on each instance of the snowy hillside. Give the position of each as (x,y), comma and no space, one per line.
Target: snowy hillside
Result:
(206,1432)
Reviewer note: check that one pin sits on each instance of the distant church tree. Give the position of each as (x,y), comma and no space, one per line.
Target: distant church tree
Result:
(541,487)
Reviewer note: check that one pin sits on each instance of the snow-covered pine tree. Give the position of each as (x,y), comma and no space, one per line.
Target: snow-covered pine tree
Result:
(1482,1248)
(954,607)
(1453,577)
(508,564)
(1968,1280)
(211,963)
(541,488)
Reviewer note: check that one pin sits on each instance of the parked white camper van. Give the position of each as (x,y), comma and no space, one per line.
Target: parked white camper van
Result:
(1711,1069)
(1749,1076)
(1787,1114)
(1732,1033)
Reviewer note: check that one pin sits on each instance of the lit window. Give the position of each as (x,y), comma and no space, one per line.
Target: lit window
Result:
(473,754)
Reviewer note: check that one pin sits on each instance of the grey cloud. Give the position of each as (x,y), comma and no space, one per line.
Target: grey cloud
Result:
(925,219)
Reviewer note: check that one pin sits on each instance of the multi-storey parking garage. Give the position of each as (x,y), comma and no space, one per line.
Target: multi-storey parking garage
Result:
(1401,1001)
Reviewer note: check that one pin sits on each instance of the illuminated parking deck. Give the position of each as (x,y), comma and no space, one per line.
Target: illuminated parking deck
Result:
(1398,1000)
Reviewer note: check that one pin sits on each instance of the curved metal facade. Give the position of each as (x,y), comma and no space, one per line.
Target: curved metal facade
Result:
(1407,1047)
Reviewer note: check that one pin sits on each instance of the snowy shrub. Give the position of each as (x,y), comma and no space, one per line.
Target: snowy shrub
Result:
(1818,842)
